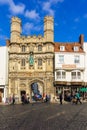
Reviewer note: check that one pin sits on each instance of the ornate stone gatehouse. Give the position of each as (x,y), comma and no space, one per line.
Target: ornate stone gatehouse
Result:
(31,60)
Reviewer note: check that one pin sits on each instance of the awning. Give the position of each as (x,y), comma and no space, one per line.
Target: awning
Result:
(83,89)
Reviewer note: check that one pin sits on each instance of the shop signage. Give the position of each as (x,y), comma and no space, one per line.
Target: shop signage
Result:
(83,89)
(68,66)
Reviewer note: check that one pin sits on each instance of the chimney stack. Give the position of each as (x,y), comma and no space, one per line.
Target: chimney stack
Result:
(81,39)
(7,42)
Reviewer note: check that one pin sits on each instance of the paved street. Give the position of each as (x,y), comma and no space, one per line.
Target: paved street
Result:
(41,116)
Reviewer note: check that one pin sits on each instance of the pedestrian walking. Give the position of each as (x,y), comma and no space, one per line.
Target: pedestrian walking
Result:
(10,100)
(23,98)
(61,97)
(73,98)
(78,98)
(46,98)
(13,99)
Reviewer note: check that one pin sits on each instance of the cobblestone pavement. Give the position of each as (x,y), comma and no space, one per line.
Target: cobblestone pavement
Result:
(42,116)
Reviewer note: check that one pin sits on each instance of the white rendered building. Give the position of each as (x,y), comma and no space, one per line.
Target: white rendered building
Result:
(3,73)
(70,66)
(85,64)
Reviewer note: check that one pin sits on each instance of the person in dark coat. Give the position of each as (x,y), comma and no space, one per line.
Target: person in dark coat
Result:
(78,98)
(13,99)
(23,99)
(46,98)
(61,97)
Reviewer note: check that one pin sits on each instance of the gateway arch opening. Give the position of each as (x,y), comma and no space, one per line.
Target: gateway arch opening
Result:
(36,91)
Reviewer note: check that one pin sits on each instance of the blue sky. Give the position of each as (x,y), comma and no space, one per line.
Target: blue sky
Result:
(70,18)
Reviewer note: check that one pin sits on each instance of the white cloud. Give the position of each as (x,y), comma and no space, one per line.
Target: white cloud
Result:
(55,1)
(47,6)
(14,9)
(17,9)
(4,1)
(32,14)
(28,27)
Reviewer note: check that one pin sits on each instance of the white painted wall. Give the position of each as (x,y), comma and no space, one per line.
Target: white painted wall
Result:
(69,60)
(85,72)
(4,70)
(3,65)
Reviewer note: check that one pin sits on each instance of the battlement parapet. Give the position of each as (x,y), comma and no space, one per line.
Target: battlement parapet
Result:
(16,19)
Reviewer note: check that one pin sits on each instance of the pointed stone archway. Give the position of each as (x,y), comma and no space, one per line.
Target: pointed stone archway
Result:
(36,86)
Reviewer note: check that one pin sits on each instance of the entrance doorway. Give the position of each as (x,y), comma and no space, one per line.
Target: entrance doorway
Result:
(23,92)
(36,91)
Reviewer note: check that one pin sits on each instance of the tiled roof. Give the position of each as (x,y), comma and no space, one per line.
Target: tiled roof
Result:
(69,47)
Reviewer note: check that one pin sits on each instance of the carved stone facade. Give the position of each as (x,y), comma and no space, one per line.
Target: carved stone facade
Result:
(31,60)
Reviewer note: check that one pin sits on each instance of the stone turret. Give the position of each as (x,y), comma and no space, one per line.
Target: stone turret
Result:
(15,29)
(49,28)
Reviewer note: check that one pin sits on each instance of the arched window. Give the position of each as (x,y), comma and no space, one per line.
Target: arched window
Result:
(23,49)
(39,62)
(23,62)
(39,48)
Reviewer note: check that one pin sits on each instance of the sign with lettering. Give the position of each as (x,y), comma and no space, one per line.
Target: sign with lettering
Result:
(68,66)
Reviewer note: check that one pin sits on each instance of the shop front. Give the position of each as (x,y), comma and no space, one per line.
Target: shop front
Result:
(67,88)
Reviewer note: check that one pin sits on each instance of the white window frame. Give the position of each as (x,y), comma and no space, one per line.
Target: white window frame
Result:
(76,59)
(77,74)
(60,75)
(61,58)
(76,48)
(62,48)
